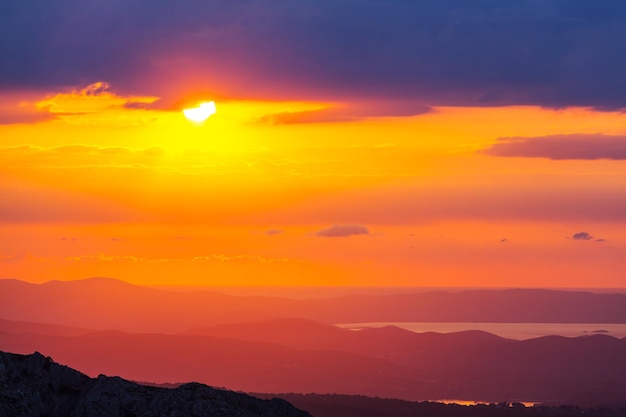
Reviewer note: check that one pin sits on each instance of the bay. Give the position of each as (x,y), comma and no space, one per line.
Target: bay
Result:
(518,331)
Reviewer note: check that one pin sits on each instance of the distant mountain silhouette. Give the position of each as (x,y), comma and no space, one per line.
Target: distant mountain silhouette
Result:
(35,386)
(385,342)
(106,303)
(472,306)
(111,304)
(38,328)
(295,355)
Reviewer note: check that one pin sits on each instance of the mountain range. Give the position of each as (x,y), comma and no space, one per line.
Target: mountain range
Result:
(106,303)
(296,355)
(265,344)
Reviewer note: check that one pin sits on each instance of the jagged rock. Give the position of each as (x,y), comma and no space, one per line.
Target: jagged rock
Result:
(34,385)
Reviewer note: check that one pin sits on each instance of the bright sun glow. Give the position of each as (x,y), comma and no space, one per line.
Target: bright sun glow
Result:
(201,112)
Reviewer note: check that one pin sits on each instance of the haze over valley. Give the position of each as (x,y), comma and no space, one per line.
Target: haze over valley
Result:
(273,344)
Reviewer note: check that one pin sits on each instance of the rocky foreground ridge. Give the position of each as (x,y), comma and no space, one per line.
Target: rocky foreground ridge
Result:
(34,385)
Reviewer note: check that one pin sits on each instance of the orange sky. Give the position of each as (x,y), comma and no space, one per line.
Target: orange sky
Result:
(94,183)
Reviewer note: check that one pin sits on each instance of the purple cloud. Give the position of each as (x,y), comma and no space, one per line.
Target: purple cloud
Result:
(440,52)
(582,236)
(579,146)
(343,231)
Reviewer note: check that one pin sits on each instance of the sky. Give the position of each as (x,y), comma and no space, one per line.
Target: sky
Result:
(441,143)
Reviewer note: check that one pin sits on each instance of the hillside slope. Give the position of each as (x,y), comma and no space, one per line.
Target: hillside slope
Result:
(33,385)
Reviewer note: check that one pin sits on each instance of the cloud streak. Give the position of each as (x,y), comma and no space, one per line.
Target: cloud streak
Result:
(77,156)
(21,203)
(544,199)
(347,112)
(561,147)
(108,258)
(345,230)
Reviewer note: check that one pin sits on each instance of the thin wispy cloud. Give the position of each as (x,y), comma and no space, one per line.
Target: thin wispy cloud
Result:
(345,230)
(77,156)
(348,112)
(585,147)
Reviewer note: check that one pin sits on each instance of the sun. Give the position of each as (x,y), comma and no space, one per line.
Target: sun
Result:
(201,112)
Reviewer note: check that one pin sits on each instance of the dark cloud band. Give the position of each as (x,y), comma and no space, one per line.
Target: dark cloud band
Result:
(440,52)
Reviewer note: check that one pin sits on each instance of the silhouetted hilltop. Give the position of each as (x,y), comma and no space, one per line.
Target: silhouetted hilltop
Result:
(33,385)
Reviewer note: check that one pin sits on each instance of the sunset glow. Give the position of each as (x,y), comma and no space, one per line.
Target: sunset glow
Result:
(201,112)
(361,207)
(451,182)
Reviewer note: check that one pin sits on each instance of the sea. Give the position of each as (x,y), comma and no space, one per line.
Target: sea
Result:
(517,331)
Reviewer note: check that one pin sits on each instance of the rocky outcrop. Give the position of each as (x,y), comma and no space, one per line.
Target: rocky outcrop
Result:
(34,385)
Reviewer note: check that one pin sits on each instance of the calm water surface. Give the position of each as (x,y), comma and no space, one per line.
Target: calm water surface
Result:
(519,331)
